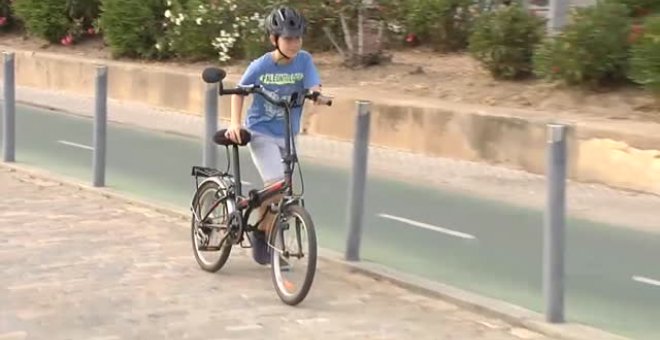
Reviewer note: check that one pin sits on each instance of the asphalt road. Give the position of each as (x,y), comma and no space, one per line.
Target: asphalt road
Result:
(494,249)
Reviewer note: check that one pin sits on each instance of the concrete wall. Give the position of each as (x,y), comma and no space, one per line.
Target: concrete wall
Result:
(624,159)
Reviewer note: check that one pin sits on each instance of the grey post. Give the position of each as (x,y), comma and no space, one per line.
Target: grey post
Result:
(554,224)
(100,122)
(209,158)
(557,14)
(9,110)
(358,181)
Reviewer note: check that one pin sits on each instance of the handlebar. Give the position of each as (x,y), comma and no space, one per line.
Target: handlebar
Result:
(216,75)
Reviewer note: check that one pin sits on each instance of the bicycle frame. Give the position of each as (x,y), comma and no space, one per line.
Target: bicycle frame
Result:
(227,190)
(255,197)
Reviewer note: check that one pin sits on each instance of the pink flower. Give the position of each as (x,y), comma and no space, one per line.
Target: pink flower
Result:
(67,40)
(3,21)
(411,37)
(91,31)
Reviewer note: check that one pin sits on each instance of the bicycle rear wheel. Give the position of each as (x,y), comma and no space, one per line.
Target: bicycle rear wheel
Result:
(293,265)
(207,234)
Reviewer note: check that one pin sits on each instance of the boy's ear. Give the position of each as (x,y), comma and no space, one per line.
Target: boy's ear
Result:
(273,40)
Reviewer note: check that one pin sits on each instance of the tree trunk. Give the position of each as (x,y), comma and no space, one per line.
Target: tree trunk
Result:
(365,47)
(370,34)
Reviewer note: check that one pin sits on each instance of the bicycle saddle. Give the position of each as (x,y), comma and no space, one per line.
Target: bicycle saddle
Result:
(220,139)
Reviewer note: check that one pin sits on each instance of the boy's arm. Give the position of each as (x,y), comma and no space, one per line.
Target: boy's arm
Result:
(236,110)
(235,123)
(312,78)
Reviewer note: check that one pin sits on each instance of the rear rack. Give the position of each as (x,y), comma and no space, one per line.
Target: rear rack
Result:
(204,172)
(201,171)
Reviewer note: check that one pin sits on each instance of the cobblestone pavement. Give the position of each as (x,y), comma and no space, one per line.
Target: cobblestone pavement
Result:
(76,264)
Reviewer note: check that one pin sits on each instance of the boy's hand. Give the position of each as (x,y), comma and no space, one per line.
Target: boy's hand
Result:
(323,100)
(319,98)
(234,133)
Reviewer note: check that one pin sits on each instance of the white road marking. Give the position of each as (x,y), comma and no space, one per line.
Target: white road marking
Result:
(243,328)
(86,147)
(75,145)
(646,280)
(311,321)
(429,227)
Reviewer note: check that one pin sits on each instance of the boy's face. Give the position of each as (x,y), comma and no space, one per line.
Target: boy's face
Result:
(289,45)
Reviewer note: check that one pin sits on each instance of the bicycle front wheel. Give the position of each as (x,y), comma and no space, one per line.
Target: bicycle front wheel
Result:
(293,254)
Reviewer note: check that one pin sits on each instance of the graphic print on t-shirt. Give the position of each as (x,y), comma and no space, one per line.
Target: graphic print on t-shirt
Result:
(279,85)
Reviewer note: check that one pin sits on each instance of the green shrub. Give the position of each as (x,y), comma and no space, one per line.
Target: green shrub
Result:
(645,55)
(57,20)
(226,30)
(231,29)
(6,16)
(639,8)
(47,19)
(445,24)
(85,11)
(132,28)
(592,49)
(192,26)
(503,40)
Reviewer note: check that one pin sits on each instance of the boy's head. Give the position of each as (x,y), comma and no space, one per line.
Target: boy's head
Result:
(286,27)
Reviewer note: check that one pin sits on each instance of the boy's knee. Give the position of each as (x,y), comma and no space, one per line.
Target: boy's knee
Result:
(273,199)
(269,218)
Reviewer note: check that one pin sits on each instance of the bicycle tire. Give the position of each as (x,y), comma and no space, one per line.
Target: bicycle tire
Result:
(299,296)
(212,266)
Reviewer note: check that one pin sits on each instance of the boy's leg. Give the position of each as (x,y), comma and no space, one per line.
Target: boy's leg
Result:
(267,157)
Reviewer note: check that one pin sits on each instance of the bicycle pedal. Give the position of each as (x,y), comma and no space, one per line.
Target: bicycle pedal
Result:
(242,243)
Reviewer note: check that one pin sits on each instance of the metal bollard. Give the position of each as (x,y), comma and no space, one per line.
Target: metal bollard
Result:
(554,225)
(9,109)
(358,181)
(100,122)
(209,157)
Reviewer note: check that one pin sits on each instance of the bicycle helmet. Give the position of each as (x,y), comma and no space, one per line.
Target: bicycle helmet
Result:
(285,22)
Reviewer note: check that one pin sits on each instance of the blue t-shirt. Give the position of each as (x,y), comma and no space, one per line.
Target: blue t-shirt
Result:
(280,81)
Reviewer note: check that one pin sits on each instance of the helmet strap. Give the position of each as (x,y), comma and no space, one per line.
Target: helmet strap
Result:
(277,46)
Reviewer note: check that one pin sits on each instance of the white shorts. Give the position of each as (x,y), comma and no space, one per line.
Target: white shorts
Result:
(267,153)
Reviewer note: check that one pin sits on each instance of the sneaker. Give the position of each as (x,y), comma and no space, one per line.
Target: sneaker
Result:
(260,251)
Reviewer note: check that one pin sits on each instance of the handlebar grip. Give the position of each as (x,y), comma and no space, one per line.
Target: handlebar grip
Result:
(239,91)
(324,100)
(320,99)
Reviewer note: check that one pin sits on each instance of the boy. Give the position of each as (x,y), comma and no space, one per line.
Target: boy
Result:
(285,70)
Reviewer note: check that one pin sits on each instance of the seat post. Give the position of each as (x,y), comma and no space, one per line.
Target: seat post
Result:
(237,170)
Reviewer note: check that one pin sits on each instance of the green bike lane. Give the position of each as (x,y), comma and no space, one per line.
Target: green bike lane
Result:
(478,245)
